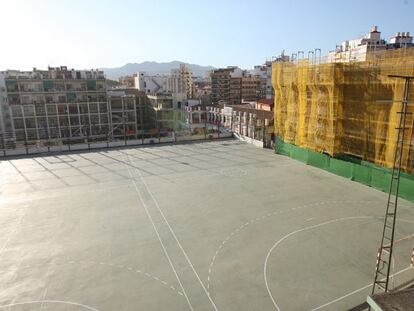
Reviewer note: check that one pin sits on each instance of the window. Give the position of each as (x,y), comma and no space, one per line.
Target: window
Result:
(53,122)
(30,123)
(93,108)
(51,109)
(94,119)
(40,110)
(18,124)
(63,121)
(103,107)
(28,110)
(83,108)
(41,122)
(73,109)
(104,118)
(74,121)
(16,111)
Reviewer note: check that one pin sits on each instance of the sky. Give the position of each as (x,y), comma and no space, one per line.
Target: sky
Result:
(107,33)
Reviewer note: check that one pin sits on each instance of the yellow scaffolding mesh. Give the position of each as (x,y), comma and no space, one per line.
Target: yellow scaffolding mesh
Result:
(346,108)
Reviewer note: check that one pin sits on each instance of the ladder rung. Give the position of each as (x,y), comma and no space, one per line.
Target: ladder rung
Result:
(402,112)
(390,214)
(402,128)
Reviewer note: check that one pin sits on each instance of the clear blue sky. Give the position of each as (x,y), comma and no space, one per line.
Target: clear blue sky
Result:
(109,33)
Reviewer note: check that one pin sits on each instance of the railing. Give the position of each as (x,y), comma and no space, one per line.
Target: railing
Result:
(90,138)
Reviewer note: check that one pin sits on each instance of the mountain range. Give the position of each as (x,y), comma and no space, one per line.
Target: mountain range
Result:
(153,68)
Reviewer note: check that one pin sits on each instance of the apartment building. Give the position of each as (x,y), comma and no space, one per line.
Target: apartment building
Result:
(264,72)
(400,40)
(232,86)
(357,49)
(52,106)
(179,81)
(150,84)
(128,81)
(220,84)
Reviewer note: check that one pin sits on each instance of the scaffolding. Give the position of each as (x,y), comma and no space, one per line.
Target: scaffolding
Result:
(345,109)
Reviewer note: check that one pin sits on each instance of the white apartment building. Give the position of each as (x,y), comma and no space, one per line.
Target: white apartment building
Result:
(357,49)
(179,81)
(401,40)
(265,72)
(151,84)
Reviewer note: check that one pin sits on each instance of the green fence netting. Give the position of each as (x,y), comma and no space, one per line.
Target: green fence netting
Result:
(354,169)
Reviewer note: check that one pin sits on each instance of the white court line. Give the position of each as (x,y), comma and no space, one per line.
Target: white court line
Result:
(179,244)
(158,235)
(43,299)
(369,285)
(292,233)
(49,301)
(356,291)
(273,214)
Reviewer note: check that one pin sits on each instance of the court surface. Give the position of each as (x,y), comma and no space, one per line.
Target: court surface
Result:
(217,225)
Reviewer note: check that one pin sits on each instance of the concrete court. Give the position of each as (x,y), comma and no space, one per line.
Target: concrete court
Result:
(216,225)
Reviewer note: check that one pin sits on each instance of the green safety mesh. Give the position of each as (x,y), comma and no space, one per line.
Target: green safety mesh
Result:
(360,171)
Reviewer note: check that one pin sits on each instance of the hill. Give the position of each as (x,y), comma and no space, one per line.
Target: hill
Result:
(153,68)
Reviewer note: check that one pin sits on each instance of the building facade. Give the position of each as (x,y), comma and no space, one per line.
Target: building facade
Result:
(357,50)
(54,106)
(150,84)
(232,86)
(131,114)
(179,81)
(220,84)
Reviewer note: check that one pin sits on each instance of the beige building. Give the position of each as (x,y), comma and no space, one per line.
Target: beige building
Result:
(232,86)
(180,81)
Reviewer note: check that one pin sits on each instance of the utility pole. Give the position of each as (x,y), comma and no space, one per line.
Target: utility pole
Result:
(384,257)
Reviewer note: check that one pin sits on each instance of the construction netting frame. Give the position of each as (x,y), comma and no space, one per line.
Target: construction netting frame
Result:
(346,109)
